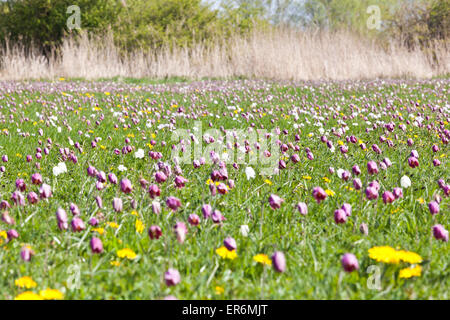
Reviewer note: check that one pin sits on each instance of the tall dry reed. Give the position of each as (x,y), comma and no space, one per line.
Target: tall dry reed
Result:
(278,54)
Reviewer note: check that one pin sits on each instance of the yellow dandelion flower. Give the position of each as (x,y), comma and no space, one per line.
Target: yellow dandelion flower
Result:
(410,272)
(25,282)
(384,254)
(115,263)
(263,259)
(28,295)
(409,257)
(51,294)
(326,179)
(139,225)
(219,290)
(340,142)
(387,254)
(100,231)
(3,234)
(226,254)
(421,201)
(126,253)
(113,225)
(134,213)
(330,192)
(307,177)
(268,182)
(209,181)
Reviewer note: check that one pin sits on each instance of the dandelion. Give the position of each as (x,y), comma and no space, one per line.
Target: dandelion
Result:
(139,226)
(28,295)
(263,259)
(410,272)
(224,253)
(126,253)
(219,290)
(25,282)
(384,254)
(113,225)
(51,294)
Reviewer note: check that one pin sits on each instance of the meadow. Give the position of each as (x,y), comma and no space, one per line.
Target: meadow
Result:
(238,189)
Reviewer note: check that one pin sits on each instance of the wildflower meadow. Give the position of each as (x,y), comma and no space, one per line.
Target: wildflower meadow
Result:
(215,189)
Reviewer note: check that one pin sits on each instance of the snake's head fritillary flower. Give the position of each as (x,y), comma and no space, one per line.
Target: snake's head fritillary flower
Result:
(222,188)
(77,224)
(364,229)
(93,222)
(154,191)
(206,211)
(230,243)
(156,207)
(154,232)
(347,209)
(180,231)
(319,194)
(32,197)
(12,234)
(302,208)
(398,193)
(356,170)
(36,178)
(6,218)
(279,261)
(20,185)
(101,176)
(96,245)
(172,277)
(372,167)
(440,233)
(275,201)
(112,178)
(180,181)
(91,171)
(125,186)
(413,162)
(388,197)
(160,177)
(45,191)
(357,184)
(349,262)
(340,216)
(99,201)
(217,216)
(193,219)
(433,206)
(371,193)
(117,204)
(173,203)
(26,253)
(295,158)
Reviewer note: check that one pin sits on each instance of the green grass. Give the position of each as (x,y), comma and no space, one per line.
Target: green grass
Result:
(313,244)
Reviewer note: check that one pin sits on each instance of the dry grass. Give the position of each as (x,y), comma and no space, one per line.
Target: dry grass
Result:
(278,54)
